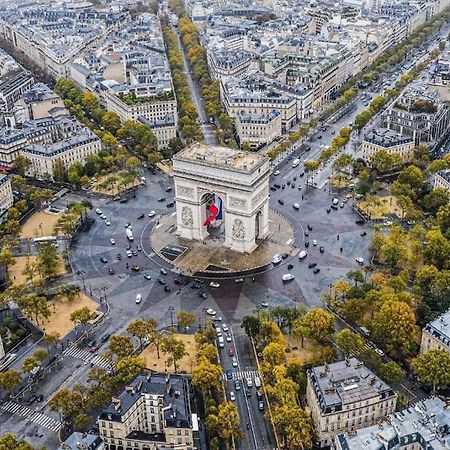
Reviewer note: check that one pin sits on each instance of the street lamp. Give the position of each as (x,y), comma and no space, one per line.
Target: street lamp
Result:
(171,310)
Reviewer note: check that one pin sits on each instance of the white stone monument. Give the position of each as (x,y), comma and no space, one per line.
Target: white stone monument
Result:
(2,350)
(203,173)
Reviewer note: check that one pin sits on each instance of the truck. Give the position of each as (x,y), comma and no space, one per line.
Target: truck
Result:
(129,234)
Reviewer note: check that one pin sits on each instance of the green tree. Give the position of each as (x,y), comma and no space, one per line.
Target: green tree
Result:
(251,325)
(82,315)
(185,319)
(229,422)
(29,363)
(349,342)
(436,199)
(391,372)
(122,346)
(9,380)
(274,354)
(433,368)
(21,164)
(67,402)
(128,368)
(140,329)
(206,376)
(176,348)
(319,324)
(111,122)
(47,259)
(10,442)
(6,257)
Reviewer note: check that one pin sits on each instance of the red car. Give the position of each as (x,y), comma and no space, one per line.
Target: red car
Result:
(231,351)
(93,349)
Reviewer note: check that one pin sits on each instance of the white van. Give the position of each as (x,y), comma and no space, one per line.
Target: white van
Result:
(287,277)
(257,382)
(138,298)
(335,201)
(295,163)
(303,254)
(221,342)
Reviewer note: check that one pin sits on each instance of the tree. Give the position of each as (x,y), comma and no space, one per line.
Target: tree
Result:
(10,442)
(437,249)
(251,325)
(185,319)
(21,164)
(29,363)
(6,257)
(175,347)
(208,352)
(121,346)
(128,368)
(394,325)
(140,329)
(40,354)
(433,368)
(9,380)
(67,402)
(111,122)
(34,306)
(349,342)
(59,171)
(47,260)
(319,324)
(294,425)
(206,376)
(229,422)
(384,161)
(82,315)
(436,199)
(274,354)
(391,372)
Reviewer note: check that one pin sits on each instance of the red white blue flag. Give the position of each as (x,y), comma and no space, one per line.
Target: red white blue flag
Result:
(215,212)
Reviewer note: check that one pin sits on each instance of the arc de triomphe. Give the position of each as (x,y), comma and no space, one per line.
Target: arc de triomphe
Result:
(241,181)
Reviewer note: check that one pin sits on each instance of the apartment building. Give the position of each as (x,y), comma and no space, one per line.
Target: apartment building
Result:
(7,64)
(6,195)
(258,130)
(12,88)
(82,441)
(164,129)
(152,413)
(346,396)
(436,334)
(387,140)
(231,63)
(73,149)
(40,102)
(423,426)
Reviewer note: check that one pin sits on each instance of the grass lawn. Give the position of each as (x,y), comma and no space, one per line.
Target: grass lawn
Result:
(116,188)
(59,322)
(339,182)
(380,207)
(305,354)
(15,272)
(39,224)
(184,365)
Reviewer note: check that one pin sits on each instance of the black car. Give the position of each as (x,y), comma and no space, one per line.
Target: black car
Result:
(293,185)
(203,295)
(312,265)
(285,255)
(123,200)
(91,343)
(359,222)
(334,207)
(273,188)
(161,281)
(195,286)
(306,244)
(290,266)
(288,182)
(306,233)
(316,271)
(363,233)
(105,337)
(170,205)
(178,281)
(141,216)
(277,186)
(162,199)
(283,186)
(309,227)
(135,253)
(281,202)
(167,288)
(127,225)
(135,268)
(31,399)
(302,174)
(328,210)
(111,271)
(104,260)
(168,189)
(119,256)
(39,398)
(321,249)
(294,179)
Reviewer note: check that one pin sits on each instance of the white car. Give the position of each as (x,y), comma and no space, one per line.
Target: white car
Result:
(239,280)
(232,396)
(102,216)
(276,259)
(360,260)
(287,277)
(98,211)
(296,206)
(219,331)
(314,242)
(228,338)
(129,254)
(214,284)
(112,242)
(277,172)
(107,223)
(138,298)
(234,362)
(225,327)
(151,214)
(210,312)
(265,304)
(303,254)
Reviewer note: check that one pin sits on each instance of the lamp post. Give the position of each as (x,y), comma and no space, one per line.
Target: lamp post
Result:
(171,310)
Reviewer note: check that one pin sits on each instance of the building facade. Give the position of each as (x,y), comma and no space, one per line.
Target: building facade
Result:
(436,334)
(6,194)
(258,130)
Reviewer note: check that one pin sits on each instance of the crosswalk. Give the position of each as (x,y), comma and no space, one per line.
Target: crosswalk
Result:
(86,356)
(31,415)
(243,374)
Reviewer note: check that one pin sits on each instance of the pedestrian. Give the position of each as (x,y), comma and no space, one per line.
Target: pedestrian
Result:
(302,197)
(340,249)
(337,237)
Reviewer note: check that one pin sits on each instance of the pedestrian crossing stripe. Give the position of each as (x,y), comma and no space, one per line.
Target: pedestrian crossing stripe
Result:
(33,416)
(84,355)
(242,375)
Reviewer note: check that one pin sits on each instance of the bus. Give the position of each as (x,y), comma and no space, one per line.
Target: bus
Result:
(45,239)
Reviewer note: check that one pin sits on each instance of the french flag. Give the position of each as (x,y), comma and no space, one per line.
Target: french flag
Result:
(215,212)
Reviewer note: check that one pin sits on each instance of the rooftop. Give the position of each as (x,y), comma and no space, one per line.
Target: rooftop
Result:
(386,138)
(80,441)
(440,327)
(223,157)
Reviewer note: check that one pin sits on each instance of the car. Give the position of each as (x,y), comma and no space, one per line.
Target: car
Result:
(303,254)
(296,206)
(276,173)
(39,398)
(163,271)
(306,244)
(123,200)
(138,298)
(31,399)
(91,343)
(170,205)
(161,199)
(111,271)
(310,227)
(93,349)
(105,337)
(237,385)
(116,198)
(341,205)
(302,174)
(261,405)
(129,254)
(151,214)
(161,280)
(316,271)
(249,382)
(112,241)
(314,242)
(239,280)
(167,288)
(277,186)
(259,394)
(119,256)
(134,252)
(248,392)
(312,265)
(363,233)
(285,255)
(360,260)
(306,233)
(107,223)
(195,286)
(141,216)
(231,351)
(273,188)
(287,277)
(225,327)
(211,312)
(359,222)
(232,396)
(217,318)
(228,337)
(379,352)
(321,249)
(280,201)
(328,210)
(102,216)
(178,281)
(147,277)
(290,266)
(168,188)
(276,259)
(98,211)
(234,362)
(138,248)
(229,374)
(265,304)
(135,268)
(104,260)
(203,295)
(128,225)
(214,284)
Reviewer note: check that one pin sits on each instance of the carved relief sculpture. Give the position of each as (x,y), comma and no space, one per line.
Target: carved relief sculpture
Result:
(238,229)
(187,218)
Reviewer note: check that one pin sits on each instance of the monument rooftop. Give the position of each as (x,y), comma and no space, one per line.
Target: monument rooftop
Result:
(223,157)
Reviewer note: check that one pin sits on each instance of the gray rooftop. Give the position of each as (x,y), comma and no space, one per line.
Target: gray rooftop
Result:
(81,441)
(386,138)
(440,327)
